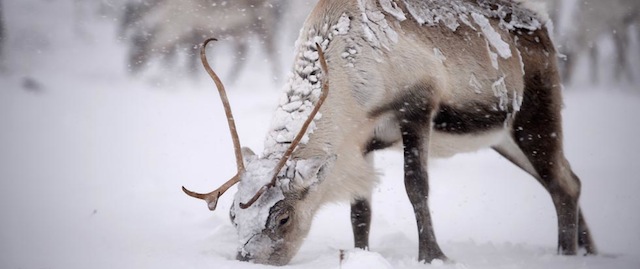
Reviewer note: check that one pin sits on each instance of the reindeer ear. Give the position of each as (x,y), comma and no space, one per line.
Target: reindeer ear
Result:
(248,155)
(311,171)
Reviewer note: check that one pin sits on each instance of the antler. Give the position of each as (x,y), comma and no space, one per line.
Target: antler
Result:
(212,197)
(303,130)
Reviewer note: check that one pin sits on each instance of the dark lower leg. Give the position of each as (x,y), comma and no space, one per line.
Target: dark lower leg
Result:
(567,212)
(360,222)
(584,236)
(554,173)
(416,184)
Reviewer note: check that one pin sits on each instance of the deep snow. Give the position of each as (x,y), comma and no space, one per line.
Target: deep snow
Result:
(92,160)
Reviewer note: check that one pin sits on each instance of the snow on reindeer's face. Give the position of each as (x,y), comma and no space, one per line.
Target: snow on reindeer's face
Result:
(272,229)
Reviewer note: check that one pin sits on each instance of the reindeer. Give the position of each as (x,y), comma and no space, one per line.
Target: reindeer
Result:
(591,20)
(163,28)
(437,77)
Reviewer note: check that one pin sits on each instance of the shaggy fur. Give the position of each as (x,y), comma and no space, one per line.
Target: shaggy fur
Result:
(438,84)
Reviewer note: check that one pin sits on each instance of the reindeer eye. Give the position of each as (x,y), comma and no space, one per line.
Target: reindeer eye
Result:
(284,221)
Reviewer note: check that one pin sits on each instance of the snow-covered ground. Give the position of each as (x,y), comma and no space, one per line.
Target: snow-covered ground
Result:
(92,161)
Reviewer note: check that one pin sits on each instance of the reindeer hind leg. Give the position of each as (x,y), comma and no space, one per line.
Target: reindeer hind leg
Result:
(512,152)
(537,148)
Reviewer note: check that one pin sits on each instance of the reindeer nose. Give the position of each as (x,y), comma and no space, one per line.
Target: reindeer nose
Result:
(243,257)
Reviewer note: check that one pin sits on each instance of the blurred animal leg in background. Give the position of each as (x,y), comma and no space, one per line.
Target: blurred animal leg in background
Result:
(239,59)
(591,22)
(623,66)
(3,35)
(192,52)
(594,58)
(567,65)
(138,52)
(269,44)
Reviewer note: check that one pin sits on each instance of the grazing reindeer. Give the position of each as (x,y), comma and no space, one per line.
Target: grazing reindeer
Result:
(439,77)
(162,28)
(592,20)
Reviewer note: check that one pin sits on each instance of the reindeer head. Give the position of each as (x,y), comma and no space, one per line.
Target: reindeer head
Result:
(273,208)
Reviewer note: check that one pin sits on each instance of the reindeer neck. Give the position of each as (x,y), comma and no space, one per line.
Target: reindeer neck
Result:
(303,90)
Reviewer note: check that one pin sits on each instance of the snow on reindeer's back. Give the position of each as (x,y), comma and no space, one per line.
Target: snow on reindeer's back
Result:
(512,14)
(304,85)
(303,88)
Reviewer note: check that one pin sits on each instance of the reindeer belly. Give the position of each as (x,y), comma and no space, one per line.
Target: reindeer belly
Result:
(468,118)
(469,127)
(443,144)
(466,128)
(455,129)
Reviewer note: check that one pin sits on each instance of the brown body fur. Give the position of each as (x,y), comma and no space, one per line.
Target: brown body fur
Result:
(412,80)
(436,91)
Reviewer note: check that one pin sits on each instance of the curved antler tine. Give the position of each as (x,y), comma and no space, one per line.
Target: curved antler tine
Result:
(303,130)
(212,197)
(225,103)
(256,196)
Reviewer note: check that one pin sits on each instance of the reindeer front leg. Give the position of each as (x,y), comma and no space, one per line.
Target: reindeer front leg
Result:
(416,182)
(413,111)
(384,136)
(361,215)
(361,222)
